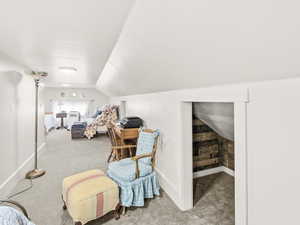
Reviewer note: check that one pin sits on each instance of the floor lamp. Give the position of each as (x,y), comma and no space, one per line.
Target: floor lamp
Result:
(35,173)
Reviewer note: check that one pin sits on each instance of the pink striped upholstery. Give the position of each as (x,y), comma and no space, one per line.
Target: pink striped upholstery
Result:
(100,200)
(89,195)
(79,182)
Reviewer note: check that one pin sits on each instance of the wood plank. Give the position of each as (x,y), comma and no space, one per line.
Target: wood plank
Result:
(204,136)
(127,133)
(206,162)
(131,133)
(207,155)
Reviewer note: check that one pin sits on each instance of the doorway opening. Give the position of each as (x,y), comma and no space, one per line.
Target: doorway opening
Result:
(213,160)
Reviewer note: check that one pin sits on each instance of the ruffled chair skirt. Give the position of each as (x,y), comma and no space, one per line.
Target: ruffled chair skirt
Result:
(133,193)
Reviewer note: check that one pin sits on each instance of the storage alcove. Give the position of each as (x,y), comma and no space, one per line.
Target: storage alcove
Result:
(213,144)
(213,158)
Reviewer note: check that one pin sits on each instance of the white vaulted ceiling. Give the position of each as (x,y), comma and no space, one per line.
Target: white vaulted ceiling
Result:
(176,44)
(45,35)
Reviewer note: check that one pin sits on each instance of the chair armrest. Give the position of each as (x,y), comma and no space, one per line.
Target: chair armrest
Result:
(123,147)
(137,157)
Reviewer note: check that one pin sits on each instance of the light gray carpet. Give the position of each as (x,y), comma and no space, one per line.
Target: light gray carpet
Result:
(214,195)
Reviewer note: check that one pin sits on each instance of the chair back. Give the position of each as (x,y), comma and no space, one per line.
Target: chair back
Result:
(147,144)
(113,137)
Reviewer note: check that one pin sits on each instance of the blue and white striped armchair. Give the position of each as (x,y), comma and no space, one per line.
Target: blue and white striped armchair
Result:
(136,176)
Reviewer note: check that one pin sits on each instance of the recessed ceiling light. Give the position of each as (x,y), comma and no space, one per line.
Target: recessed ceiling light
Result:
(67,69)
(66,85)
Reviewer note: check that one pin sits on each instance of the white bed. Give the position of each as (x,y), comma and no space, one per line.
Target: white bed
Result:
(50,122)
(73,117)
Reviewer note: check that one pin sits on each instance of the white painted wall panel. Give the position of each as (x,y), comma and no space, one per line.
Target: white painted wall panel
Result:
(17,104)
(163,111)
(272,142)
(273,151)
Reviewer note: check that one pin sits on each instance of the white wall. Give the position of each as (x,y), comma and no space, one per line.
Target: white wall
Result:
(162,111)
(17,120)
(82,94)
(175,44)
(272,143)
(273,153)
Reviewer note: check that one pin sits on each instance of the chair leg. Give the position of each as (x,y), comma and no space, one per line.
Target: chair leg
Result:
(123,210)
(118,211)
(109,157)
(64,203)
(117,154)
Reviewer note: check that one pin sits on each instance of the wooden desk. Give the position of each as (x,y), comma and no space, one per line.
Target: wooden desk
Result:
(127,133)
(127,136)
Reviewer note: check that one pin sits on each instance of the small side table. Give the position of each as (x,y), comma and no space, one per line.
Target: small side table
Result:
(61,116)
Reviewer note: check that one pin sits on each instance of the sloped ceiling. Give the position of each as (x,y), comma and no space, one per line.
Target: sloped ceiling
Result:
(174,44)
(218,116)
(46,35)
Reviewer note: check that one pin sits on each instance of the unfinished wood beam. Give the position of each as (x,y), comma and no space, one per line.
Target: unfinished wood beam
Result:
(206,162)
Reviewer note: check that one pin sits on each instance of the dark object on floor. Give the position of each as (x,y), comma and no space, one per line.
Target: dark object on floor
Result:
(131,122)
(77,129)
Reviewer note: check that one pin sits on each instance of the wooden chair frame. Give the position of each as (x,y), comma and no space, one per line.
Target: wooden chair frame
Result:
(138,157)
(117,146)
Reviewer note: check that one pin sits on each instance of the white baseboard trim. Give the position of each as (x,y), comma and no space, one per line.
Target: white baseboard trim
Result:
(207,172)
(168,187)
(211,171)
(19,173)
(228,171)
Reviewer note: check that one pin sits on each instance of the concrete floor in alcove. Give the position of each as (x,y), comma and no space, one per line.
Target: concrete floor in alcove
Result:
(214,202)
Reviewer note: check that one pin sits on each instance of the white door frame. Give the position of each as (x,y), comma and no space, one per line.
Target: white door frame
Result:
(240,144)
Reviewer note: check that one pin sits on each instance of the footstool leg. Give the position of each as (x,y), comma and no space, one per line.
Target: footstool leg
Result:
(118,211)
(64,203)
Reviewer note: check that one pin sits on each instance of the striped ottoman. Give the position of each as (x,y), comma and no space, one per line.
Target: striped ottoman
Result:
(90,195)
